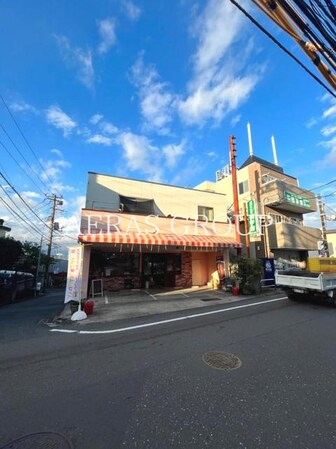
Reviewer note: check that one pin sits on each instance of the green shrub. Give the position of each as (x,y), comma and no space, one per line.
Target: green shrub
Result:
(247,273)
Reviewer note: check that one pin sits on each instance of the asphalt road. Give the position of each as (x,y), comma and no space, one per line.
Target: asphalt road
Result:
(150,388)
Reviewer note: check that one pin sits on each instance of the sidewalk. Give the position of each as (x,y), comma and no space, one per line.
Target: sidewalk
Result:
(143,303)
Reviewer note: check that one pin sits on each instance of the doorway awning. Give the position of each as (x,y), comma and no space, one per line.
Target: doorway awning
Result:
(192,241)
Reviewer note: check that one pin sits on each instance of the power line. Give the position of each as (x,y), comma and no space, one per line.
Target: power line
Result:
(257,24)
(330,194)
(322,185)
(20,166)
(11,199)
(24,201)
(23,157)
(23,135)
(24,223)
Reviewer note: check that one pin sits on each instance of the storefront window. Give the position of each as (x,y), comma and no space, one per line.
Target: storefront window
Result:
(121,264)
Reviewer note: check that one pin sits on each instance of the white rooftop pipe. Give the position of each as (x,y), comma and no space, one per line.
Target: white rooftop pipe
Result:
(275,157)
(249,138)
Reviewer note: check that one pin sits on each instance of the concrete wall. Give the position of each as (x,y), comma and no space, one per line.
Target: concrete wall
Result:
(287,235)
(103,194)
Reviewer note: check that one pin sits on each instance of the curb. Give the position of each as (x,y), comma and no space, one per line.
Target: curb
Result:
(65,316)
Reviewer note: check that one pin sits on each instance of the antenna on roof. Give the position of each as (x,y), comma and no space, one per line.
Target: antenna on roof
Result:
(249,138)
(275,157)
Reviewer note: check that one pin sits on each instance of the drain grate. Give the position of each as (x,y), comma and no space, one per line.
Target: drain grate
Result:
(221,360)
(41,440)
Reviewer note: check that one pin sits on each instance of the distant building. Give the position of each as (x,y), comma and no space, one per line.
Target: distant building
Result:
(3,229)
(265,188)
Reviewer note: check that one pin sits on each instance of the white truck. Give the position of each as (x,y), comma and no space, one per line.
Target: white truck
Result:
(300,285)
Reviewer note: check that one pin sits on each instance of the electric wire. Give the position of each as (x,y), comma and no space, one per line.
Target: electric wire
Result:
(23,135)
(24,201)
(282,47)
(22,212)
(20,166)
(322,185)
(23,157)
(26,225)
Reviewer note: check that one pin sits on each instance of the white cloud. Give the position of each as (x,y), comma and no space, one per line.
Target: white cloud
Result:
(156,102)
(172,153)
(59,119)
(221,82)
(96,118)
(79,59)
(330,112)
(101,140)
(53,172)
(132,10)
(141,155)
(30,194)
(235,120)
(57,152)
(329,132)
(216,101)
(107,34)
(108,128)
(311,122)
(21,106)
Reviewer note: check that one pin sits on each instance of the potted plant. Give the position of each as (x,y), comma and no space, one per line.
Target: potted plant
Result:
(247,273)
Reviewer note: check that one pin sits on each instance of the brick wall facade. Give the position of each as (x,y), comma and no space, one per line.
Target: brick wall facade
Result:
(184,280)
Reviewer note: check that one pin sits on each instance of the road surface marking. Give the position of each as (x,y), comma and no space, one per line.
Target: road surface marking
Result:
(172,320)
(154,297)
(66,331)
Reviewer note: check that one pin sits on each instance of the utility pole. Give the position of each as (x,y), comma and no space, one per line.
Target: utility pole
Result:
(55,202)
(234,186)
(323,224)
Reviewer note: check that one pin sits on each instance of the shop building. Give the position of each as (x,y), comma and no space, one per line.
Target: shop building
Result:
(139,234)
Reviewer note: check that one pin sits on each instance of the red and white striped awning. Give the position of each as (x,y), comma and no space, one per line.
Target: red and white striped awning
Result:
(193,241)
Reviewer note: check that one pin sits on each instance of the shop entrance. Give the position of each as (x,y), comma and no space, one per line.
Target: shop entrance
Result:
(159,270)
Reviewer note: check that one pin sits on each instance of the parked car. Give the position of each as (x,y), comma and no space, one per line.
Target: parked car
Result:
(15,285)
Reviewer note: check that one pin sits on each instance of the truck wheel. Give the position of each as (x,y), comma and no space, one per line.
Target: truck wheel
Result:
(293,296)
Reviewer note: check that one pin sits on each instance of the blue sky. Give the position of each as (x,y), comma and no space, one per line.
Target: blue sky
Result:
(149,90)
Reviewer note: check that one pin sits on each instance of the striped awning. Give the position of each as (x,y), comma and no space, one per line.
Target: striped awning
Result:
(193,241)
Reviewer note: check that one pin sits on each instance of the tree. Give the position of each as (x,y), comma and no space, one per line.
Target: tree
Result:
(11,251)
(30,257)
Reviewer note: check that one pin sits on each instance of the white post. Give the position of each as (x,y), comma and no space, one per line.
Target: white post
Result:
(249,138)
(275,158)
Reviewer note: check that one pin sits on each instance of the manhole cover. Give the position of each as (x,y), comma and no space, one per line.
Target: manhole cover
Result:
(221,360)
(41,440)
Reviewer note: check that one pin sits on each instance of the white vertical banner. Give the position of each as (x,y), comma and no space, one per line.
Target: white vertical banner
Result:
(74,278)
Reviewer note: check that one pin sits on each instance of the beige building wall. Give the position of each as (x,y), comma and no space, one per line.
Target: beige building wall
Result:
(290,236)
(103,194)
(331,239)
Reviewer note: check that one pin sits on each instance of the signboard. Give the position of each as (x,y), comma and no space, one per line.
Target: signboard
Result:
(96,287)
(297,200)
(74,277)
(252,218)
(269,272)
